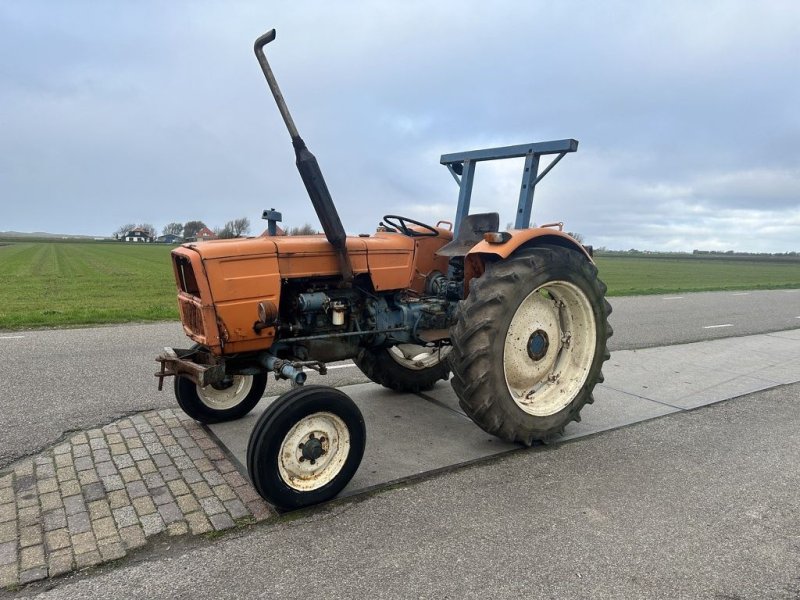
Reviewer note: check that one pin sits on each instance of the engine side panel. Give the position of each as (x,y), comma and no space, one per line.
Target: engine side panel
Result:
(391,260)
(426,261)
(238,285)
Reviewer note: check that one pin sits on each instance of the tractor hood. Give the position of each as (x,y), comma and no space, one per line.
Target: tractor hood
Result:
(221,282)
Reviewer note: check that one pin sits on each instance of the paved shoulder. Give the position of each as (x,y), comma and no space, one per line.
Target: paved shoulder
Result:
(699,504)
(104,492)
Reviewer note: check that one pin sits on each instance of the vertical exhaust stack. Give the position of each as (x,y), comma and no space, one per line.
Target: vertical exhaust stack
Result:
(309,169)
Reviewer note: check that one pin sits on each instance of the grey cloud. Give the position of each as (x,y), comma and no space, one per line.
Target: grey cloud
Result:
(156,112)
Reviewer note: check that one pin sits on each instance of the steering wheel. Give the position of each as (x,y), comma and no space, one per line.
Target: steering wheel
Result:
(400,223)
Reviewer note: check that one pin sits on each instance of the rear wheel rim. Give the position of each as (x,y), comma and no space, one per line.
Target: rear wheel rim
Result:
(549,348)
(228,395)
(416,357)
(330,435)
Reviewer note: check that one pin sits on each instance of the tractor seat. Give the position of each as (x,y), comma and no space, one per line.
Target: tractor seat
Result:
(470,232)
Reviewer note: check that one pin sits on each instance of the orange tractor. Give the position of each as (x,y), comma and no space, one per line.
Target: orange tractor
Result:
(517,317)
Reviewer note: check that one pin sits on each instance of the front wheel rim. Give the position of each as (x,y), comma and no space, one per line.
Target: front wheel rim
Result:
(549,348)
(227,396)
(314,451)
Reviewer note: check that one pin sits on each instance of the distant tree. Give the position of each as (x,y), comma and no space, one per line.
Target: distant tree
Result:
(147,227)
(172,229)
(191,228)
(224,232)
(121,231)
(577,236)
(306,229)
(233,229)
(238,227)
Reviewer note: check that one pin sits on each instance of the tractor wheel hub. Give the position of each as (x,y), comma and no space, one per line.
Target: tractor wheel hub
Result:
(312,449)
(538,344)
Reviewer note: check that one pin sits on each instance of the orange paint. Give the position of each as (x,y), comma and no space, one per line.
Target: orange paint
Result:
(228,278)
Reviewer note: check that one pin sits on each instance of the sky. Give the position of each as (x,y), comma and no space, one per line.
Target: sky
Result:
(687,114)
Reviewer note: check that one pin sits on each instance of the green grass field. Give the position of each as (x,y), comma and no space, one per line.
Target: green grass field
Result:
(51,284)
(44,284)
(638,275)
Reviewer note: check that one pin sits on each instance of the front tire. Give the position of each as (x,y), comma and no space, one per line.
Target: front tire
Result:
(230,400)
(529,343)
(406,367)
(306,447)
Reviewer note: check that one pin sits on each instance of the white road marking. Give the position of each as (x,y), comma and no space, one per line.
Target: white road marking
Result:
(741,294)
(717,326)
(791,291)
(673,298)
(12,337)
(340,367)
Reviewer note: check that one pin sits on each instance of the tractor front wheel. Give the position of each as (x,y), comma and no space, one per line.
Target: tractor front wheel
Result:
(529,343)
(306,447)
(228,400)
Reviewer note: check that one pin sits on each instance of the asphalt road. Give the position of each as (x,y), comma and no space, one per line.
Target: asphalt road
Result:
(55,381)
(692,505)
(648,321)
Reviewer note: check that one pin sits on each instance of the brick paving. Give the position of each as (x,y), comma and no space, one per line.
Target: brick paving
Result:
(104,492)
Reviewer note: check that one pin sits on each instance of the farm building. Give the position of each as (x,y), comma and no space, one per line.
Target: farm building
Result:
(169,238)
(136,235)
(203,235)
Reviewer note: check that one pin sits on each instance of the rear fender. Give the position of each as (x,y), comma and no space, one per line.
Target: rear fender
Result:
(483,252)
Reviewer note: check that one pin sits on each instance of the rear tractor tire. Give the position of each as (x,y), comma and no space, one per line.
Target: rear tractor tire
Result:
(405,368)
(232,399)
(529,343)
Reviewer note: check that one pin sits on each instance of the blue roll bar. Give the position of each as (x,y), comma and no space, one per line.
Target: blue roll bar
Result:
(462,167)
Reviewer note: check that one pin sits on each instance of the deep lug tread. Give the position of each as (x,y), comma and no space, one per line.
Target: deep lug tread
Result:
(380,367)
(478,383)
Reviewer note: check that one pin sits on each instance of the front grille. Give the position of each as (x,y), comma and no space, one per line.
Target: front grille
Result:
(191,316)
(187,281)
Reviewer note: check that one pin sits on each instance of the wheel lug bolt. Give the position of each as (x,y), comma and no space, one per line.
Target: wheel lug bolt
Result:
(302,459)
(323,439)
(301,445)
(313,462)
